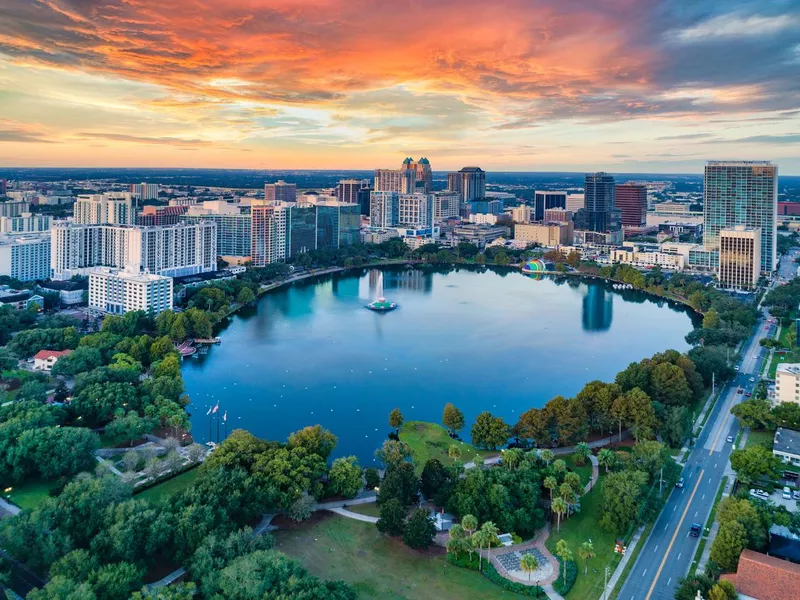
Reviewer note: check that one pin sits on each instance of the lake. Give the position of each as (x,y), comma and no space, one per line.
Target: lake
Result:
(500,341)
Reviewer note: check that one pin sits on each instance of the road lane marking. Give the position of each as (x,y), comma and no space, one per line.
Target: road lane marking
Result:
(656,548)
(715,465)
(704,497)
(679,555)
(644,572)
(695,513)
(669,581)
(665,526)
(674,536)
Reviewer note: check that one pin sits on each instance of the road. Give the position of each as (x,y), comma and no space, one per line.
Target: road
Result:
(669,551)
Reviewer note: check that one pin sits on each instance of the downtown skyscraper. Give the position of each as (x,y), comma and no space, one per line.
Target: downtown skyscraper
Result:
(742,193)
(599,212)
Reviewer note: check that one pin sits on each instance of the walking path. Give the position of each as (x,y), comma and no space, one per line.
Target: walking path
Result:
(626,557)
(353,515)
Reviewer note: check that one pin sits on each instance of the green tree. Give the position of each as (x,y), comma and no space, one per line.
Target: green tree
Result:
(61,588)
(302,508)
(582,453)
(722,590)
(32,390)
(452,418)
(711,320)
(469,523)
(393,453)
(454,452)
(559,506)
(400,482)
(372,478)
(755,413)
(490,530)
(76,565)
(480,539)
(127,427)
(565,554)
(392,519)
(245,296)
(640,413)
(550,483)
(547,456)
(180,591)
(570,418)
(623,494)
(607,458)
(116,581)
(754,463)
(419,530)
(728,545)
(345,476)
(559,466)
(669,386)
(489,432)
(315,439)
(586,552)
(528,564)
(434,477)
(396,419)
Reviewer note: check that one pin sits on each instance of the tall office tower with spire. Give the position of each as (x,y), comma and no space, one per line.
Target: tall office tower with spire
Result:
(742,193)
(599,212)
(280,191)
(422,174)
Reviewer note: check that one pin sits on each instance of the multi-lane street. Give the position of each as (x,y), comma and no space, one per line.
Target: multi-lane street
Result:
(669,551)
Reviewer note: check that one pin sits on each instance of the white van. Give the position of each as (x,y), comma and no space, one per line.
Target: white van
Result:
(787,493)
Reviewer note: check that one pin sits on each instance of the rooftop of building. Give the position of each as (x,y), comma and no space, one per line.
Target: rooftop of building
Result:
(127,275)
(788,368)
(45,354)
(28,237)
(740,163)
(787,441)
(471,170)
(765,577)
(66,286)
(10,295)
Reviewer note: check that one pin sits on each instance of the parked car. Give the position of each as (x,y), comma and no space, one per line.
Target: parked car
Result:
(729,439)
(787,493)
(695,530)
(796,495)
(759,494)
(679,483)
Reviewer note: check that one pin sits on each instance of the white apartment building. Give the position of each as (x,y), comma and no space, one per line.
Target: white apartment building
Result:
(383,209)
(415,210)
(144,191)
(269,243)
(233,225)
(739,257)
(111,208)
(486,218)
(25,223)
(118,292)
(14,208)
(25,257)
(446,205)
(521,214)
(787,383)
(173,250)
(631,255)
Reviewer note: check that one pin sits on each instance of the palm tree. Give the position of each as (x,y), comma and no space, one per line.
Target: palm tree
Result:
(491,531)
(469,523)
(480,538)
(528,564)
(546,456)
(559,506)
(586,551)
(559,466)
(563,551)
(454,452)
(607,458)
(574,481)
(550,483)
(512,458)
(582,453)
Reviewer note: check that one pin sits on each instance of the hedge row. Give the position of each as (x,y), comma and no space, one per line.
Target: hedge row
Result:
(572,573)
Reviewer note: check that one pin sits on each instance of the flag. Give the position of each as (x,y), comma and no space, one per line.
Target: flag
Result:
(215,409)
(209,411)
(225,417)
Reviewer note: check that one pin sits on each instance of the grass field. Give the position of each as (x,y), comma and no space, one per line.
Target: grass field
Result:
(764,438)
(334,547)
(371,509)
(30,494)
(585,470)
(429,440)
(581,528)
(170,487)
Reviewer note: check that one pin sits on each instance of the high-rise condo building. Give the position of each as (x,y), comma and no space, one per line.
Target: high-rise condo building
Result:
(171,250)
(742,193)
(544,200)
(575,202)
(101,209)
(233,225)
(347,190)
(631,200)
(521,214)
(25,257)
(280,191)
(390,209)
(268,234)
(160,215)
(14,208)
(599,212)
(395,180)
(454,182)
(739,257)
(25,223)
(473,184)
(383,209)
(117,292)
(144,191)
(422,175)
(446,205)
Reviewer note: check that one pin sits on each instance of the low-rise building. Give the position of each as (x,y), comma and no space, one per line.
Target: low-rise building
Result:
(786,445)
(44,360)
(787,383)
(480,235)
(20,299)
(69,292)
(377,236)
(634,256)
(544,234)
(119,292)
(521,214)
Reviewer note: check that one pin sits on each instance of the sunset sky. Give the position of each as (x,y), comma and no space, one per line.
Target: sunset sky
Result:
(621,85)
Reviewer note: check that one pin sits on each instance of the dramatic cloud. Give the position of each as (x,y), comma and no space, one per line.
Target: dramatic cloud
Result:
(310,82)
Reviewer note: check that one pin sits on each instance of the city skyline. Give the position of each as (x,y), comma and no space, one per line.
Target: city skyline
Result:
(626,87)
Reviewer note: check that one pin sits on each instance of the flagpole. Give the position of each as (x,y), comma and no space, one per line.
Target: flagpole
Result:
(218,428)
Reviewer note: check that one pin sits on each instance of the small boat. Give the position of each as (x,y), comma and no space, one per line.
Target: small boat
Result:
(381,305)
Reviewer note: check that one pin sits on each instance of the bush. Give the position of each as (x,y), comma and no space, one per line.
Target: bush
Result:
(465,561)
(512,586)
(572,573)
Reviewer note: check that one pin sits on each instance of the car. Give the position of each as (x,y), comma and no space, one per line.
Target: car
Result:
(787,493)
(736,367)
(679,483)
(796,495)
(748,395)
(759,494)
(729,439)
(752,380)
(740,391)
(695,530)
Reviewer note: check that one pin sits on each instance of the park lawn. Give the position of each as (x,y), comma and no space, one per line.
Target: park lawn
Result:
(335,547)
(763,437)
(580,528)
(31,493)
(429,440)
(371,509)
(170,487)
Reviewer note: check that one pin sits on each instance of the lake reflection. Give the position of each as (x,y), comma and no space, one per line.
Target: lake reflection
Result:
(498,341)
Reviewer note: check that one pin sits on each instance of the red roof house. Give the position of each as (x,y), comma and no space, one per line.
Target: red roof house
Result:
(765,577)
